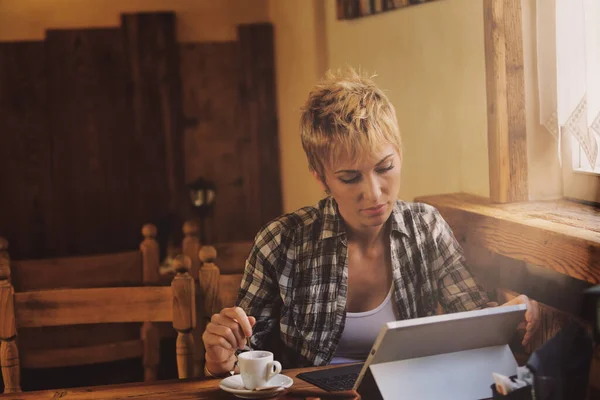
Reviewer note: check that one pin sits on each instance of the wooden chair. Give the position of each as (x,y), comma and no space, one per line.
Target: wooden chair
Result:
(219,285)
(232,259)
(50,307)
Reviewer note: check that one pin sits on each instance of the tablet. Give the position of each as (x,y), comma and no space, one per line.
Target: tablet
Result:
(443,356)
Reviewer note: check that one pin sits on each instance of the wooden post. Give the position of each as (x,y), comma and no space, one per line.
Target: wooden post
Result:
(151,356)
(150,276)
(156,90)
(208,280)
(505,87)
(259,113)
(190,247)
(9,354)
(184,315)
(150,255)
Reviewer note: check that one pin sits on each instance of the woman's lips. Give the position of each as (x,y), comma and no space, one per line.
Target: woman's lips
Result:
(374,211)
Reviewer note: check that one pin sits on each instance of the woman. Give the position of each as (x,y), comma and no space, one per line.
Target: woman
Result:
(321,281)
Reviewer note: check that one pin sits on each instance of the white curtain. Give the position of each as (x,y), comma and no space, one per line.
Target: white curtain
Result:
(568,53)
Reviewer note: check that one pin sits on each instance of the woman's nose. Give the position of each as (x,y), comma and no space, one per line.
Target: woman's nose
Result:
(372,191)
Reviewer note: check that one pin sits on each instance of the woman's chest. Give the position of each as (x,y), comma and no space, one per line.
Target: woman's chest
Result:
(369,279)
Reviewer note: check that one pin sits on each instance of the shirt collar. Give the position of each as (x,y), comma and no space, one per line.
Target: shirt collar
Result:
(397,217)
(333,225)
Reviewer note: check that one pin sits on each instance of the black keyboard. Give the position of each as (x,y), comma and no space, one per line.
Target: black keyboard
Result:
(333,379)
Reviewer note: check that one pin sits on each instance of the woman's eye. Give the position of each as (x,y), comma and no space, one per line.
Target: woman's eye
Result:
(351,180)
(386,169)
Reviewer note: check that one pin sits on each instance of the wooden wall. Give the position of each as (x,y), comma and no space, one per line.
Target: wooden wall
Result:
(81,175)
(102,128)
(231,137)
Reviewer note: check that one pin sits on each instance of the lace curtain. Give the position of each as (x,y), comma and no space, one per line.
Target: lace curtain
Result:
(568,53)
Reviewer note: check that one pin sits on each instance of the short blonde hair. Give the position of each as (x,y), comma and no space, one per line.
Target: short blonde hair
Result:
(346,113)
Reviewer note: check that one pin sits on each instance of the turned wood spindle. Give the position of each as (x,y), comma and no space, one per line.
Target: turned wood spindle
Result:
(209,280)
(150,276)
(151,356)
(150,255)
(9,354)
(191,245)
(184,315)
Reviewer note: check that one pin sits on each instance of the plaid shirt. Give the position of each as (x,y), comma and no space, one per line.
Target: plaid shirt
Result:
(296,278)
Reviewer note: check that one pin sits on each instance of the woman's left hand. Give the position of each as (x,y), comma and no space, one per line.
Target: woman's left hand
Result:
(532,315)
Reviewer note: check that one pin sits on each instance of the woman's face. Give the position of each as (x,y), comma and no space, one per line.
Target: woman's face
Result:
(365,191)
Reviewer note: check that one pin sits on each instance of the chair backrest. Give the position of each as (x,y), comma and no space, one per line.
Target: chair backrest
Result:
(147,304)
(218,285)
(90,344)
(131,268)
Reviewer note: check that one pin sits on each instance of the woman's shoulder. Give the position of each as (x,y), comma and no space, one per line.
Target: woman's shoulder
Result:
(416,208)
(416,216)
(305,218)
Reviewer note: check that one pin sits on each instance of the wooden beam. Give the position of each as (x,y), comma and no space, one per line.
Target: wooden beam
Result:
(101,270)
(93,306)
(560,236)
(505,88)
(259,113)
(153,54)
(66,357)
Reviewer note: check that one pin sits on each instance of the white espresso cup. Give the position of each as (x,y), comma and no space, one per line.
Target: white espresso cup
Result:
(257,368)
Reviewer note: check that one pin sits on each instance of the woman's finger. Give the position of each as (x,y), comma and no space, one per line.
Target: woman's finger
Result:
(219,335)
(233,325)
(238,314)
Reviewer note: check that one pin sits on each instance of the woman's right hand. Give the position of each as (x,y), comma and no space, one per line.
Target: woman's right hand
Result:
(225,333)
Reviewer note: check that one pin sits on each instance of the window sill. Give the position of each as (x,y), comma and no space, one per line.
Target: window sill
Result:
(586,172)
(561,235)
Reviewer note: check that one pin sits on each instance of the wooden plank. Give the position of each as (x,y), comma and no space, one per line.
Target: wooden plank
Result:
(25,152)
(156,88)
(515,92)
(89,116)
(505,89)
(210,74)
(259,113)
(520,235)
(93,306)
(77,336)
(59,357)
(103,270)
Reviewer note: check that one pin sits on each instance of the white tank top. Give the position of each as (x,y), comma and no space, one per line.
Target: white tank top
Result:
(361,330)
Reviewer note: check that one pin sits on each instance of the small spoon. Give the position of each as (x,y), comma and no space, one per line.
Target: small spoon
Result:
(246,348)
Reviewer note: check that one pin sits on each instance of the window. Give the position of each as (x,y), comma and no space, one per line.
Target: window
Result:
(580,161)
(568,50)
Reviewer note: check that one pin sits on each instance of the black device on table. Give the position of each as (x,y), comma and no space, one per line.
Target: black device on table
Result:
(333,379)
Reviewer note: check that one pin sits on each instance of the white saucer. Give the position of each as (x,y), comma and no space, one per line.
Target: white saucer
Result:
(233,384)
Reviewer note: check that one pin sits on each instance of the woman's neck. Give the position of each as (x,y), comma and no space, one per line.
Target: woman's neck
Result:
(367,237)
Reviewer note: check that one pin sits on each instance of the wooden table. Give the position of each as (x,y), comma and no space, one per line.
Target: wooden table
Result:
(176,390)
